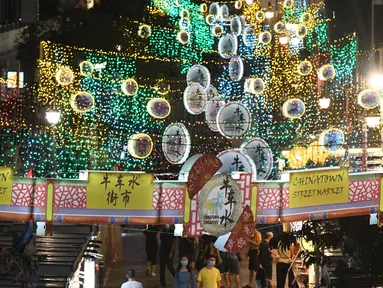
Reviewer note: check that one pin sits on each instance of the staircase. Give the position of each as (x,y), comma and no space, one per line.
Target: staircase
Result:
(58,254)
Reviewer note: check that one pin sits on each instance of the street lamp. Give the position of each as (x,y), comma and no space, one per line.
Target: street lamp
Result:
(53,117)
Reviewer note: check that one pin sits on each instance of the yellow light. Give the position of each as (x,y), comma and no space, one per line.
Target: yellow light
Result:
(86,102)
(257,86)
(129,87)
(149,107)
(217,30)
(305,68)
(64,76)
(287,111)
(238,4)
(302,31)
(162,87)
(144,31)
(209,19)
(203,7)
(288,3)
(279,26)
(260,16)
(86,68)
(138,140)
(249,2)
(305,18)
(185,13)
(297,157)
(326,72)
(184,23)
(265,37)
(369,98)
(183,37)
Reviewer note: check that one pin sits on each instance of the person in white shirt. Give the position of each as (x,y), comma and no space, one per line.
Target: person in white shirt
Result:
(131,283)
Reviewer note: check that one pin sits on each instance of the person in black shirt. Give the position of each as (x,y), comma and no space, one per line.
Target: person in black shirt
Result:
(151,247)
(265,255)
(167,243)
(187,247)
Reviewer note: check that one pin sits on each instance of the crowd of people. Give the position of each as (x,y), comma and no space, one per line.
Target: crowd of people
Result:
(202,265)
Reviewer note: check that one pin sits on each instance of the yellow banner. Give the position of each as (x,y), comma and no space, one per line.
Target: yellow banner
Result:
(322,187)
(128,191)
(6,182)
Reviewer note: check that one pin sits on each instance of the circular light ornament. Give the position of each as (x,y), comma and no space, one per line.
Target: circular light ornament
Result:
(257,86)
(305,68)
(184,23)
(198,74)
(260,16)
(306,17)
(140,146)
(302,31)
(195,99)
(64,76)
(203,7)
(86,68)
(158,108)
(332,139)
(236,68)
(369,98)
(227,46)
(183,37)
(176,143)
(279,27)
(326,72)
(217,30)
(247,85)
(238,4)
(234,120)
(130,87)
(184,14)
(288,3)
(209,19)
(211,92)
(211,112)
(162,87)
(249,36)
(224,13)
(265,37)
(294,108)
(214,9)
(236,26)
(144,31)
(82,102)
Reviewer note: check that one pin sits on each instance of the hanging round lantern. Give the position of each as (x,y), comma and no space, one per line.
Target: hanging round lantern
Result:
(305,68)
(82,102)
(176,143)
(217,30)
(332,139)
(64,76)
(257,86)
(158,108)
(211,112)
(249,36)
(265,37)
(198,74)
(184,14)
(130,87)
(162,87)
(227,46)
(86,68)
(236,26)
(306,17)
(234,120)
(209,19)
(214,9)
(294,108)
(236,68)
(184,23)
(288,3)
(298,157)
(260,16)
(140,145)
(183,37)
(195,99)
(369,98)
(238,4)
(203,8)
(302,31)
(224,12)
(211,92)
(144,31)
(279,27)
(326,72)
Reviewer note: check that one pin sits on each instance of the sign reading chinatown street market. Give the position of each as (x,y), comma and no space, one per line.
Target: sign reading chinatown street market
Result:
(6,182)
(315,188)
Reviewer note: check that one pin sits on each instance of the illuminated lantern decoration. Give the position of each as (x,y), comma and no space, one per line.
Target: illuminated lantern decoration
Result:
(203,8)
(249,36)
(211,112)
(227,46)
(257,86)
(162,87)
(184,23)
(305,18)
(331,139)
(64,76)
(176,143)
(183,37)
(209,19)
(198,74)
(158,108)
(294,108)
(288,3)
(224,12)
(236,68)
(326,72)
(236,26)
(298,157)
(195,99)
(140,146)
(214,9)
(130,87)
(238,4)
(233,120)
(211,92)
(144,31)
(279,27)
(369,98)
(184,14)
(260,16)
(217,30)
(302,31)
(317,153)
(265,37)
(86,68)
(305,68)
(82,102)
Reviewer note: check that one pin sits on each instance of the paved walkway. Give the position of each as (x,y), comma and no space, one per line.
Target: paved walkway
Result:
(134,257)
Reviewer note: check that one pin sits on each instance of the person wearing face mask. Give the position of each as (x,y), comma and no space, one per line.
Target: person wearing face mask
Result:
(209,277)
(185,278)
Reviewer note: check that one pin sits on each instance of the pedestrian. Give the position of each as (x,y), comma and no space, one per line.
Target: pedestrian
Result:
(283,265)
(261,280)
(209,277)
(167,244)
(231,268)
(254,256)
(151,247)
(131,283)
(185,277)
(188,248)
(265,255)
